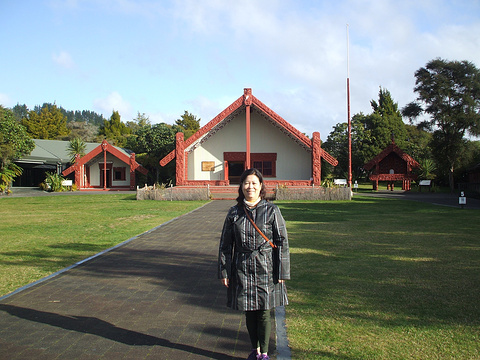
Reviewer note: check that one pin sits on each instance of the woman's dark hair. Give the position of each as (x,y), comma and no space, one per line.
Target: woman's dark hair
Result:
(257,173)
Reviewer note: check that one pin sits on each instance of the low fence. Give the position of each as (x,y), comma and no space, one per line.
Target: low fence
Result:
(313,193)
(182,193)
(173,193)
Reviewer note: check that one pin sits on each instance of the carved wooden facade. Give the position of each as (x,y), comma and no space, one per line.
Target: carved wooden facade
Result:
(391,165)
(247,104)
(109,172)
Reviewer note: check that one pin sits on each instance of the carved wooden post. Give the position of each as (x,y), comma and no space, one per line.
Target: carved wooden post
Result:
(132,171)
(247,94)
(316,159)
(180,159)
(104,148)
(225,171)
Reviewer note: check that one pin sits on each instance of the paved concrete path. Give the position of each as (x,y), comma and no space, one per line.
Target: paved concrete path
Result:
(155,297)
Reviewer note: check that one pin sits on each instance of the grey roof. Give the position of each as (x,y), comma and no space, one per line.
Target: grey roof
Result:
(56,151)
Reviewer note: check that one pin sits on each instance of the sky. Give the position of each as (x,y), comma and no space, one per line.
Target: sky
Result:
(163,57)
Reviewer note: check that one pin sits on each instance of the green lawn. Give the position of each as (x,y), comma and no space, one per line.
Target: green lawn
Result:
(372,278)
(383,279)
(41,235)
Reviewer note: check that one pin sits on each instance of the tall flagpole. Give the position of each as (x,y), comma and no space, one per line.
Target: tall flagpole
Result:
(349,180)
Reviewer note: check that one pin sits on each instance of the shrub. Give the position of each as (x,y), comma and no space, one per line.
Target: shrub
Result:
(54,182)
(7,175)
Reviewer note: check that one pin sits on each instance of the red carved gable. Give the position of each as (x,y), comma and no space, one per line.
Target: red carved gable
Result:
(232,110)
(105,146)
(391,165)
(390,156)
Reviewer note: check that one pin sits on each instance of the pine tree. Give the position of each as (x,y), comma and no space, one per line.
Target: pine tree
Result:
(49,123)
(114,130)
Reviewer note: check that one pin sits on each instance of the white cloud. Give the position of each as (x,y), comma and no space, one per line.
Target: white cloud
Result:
(160,117)
(114,102)
(206,109)
(293,54)
(63,59)
(299,50)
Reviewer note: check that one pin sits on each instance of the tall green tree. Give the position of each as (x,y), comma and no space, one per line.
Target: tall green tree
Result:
(14,143)
(383,125)
(370,135)
(87,116)
(150,144)
(20,111)
(448,95)
(114,130)
(140,121)
(189,123)
(47,123)
(337,145)
(418,143)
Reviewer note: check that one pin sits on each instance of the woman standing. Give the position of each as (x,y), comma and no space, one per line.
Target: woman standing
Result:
(254,259)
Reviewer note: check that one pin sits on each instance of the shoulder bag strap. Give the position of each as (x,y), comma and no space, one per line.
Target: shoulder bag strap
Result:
(259,231)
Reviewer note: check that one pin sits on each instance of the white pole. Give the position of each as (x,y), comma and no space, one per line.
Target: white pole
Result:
(348,53)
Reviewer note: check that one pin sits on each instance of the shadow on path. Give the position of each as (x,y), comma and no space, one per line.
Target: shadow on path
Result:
(95,326)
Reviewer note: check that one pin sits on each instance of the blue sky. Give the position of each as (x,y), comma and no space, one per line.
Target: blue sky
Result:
(164,57)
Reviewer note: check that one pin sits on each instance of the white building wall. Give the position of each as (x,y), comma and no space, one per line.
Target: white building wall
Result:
(293,161)
(230,138)
(95,171)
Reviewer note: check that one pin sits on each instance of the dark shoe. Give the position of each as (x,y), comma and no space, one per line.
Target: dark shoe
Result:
(263,357)
(253,355)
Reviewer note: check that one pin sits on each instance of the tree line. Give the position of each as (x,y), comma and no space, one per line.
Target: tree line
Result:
(150,143)
(446,110)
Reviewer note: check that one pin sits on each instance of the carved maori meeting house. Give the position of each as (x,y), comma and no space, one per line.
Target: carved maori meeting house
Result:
(106,167)
(391,165)
(248,134)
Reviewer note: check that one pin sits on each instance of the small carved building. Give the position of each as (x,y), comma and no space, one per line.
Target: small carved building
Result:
(106,167)
(391,165)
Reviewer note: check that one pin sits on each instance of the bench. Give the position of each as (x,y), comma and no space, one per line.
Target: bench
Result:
(340,182)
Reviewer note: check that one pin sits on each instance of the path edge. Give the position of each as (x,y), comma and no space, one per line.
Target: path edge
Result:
(39,281)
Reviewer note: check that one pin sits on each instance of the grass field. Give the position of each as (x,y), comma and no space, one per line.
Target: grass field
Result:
(41,235)
(383,279)
(372,278)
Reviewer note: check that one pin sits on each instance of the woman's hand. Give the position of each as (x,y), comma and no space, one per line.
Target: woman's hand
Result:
(225,282)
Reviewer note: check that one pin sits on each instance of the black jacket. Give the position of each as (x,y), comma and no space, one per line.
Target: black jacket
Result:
(250,263)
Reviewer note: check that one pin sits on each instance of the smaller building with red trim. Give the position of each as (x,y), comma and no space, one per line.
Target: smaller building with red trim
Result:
(106,167)
(248,134)
(391,165)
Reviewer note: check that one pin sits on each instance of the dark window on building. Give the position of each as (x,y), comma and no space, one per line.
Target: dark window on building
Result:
(265,167)
(119,174)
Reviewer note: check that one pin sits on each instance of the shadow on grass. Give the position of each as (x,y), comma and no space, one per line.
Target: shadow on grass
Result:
(52,257)
(398,266)
(330,211)
(387,263)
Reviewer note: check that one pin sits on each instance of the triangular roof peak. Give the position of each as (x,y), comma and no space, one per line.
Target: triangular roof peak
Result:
(230,112)
(389,149)
(105,146)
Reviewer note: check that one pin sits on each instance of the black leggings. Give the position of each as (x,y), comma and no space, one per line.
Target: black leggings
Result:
(259,326)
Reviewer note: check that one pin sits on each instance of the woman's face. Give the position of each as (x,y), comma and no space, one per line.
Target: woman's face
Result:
(251,188)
